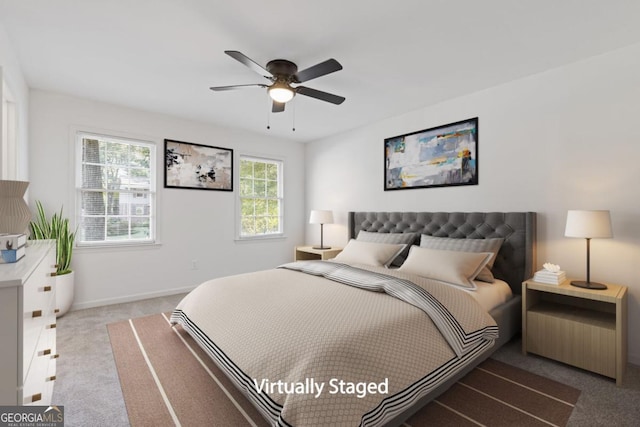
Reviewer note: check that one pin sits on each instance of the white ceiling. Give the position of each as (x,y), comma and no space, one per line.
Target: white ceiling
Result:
(163,55)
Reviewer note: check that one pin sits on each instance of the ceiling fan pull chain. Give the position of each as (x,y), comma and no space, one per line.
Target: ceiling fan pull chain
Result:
(294,116)
(268,112)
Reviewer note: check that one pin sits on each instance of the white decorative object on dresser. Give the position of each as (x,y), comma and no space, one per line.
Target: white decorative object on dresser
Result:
(28,327)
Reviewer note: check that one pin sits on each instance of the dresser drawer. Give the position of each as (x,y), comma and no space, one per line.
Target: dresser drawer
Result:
(38,388)
(589,343)
(38,289)
(44,349)
(49,381)
(32,328)
(34,382)
(40,369)
(36,299)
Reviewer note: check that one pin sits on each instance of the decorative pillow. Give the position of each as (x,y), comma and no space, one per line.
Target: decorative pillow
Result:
(454,267)
(393,238)
(376,254)
(467,245)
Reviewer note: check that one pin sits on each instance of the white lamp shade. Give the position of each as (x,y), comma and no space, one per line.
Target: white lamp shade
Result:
(321,217)
(588,224)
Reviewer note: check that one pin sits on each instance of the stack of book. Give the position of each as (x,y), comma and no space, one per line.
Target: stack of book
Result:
(12,247)
(548,277)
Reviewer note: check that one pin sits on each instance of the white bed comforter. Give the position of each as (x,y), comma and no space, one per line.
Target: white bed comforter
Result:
(319,343)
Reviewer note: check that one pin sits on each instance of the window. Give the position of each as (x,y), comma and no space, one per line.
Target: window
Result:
(260,197)
(115,184)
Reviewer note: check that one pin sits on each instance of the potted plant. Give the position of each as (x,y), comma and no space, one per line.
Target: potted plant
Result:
(57,228)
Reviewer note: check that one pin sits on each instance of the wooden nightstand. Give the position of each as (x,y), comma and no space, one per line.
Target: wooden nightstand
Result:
(580,327)
(303,253)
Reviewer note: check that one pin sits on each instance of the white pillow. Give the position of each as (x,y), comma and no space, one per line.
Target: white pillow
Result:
(457,268)
(467,245)
(376,254)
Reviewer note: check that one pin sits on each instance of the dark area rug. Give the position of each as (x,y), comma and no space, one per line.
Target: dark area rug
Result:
(167,379)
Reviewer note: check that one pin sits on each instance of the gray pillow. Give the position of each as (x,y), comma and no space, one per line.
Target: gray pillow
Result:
(467,245)
(390,238)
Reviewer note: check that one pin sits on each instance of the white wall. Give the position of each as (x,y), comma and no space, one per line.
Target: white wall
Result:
(193,224)
(11,73)
(563,139)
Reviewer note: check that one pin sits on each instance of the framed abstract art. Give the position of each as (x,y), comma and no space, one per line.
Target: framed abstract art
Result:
(438,157)
(196,166)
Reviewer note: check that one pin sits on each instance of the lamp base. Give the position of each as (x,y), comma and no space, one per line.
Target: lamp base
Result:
(588,285)
(322,247)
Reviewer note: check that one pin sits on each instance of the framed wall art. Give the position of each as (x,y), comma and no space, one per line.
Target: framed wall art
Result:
(438,157)
(196,166)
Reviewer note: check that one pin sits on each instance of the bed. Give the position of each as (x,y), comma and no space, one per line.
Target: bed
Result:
(345,343)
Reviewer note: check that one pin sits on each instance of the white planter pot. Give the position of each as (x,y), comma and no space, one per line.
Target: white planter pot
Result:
(64,292)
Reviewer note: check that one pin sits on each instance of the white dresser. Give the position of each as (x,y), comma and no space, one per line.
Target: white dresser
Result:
(28,327)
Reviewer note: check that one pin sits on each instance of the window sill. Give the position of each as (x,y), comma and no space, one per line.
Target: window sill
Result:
(256,239)
(118,247)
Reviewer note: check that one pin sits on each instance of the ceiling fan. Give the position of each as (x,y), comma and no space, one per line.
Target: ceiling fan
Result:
(283,74)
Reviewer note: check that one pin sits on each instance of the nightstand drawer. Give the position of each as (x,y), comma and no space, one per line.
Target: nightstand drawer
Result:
(573,338)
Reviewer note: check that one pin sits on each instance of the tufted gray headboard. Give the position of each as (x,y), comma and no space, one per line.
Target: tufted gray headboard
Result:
(515,261)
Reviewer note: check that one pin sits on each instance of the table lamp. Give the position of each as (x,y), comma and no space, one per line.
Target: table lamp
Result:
(322,218)
(588,225)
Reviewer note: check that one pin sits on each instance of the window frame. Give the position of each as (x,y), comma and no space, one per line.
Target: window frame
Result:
(281,166)
(79,135)
(9,124)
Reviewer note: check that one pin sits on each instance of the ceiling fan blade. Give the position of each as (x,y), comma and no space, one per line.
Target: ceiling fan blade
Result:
(221,88)
(277,107)
(318,94)
(327,67)
(238,56)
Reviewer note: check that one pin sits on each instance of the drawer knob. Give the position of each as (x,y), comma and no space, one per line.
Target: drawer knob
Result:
(36,313)
(56,311)
(46,352)
(52,326)
(47,289)
(51,378)
(35,398)
(55,356)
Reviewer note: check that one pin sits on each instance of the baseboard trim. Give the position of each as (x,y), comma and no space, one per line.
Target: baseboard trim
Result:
(130,298)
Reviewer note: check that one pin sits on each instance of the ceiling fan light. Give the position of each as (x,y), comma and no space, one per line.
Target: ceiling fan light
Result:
(281,93)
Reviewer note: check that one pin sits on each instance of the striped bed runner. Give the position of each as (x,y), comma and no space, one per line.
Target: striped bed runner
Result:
(168,380)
